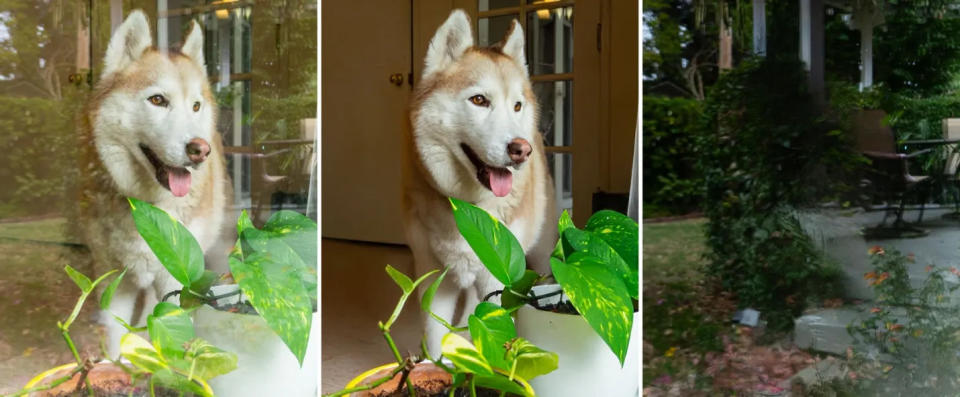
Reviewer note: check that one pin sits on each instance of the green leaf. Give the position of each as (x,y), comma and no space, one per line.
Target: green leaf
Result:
(297,231)
(209,361)
(170,328)
(620,232)
(293,234)
(600,296)
(401,279)
(406,294)
(110,290)
(491,327)
(463,355)
(589,243)
(532,361)
(196,295)
(141,353)
(563,248)
(170,241)
(426,301)
(177,381)
(274,288)
(79,279)
(300,234)
(515,295)
(493,243)
(500,382)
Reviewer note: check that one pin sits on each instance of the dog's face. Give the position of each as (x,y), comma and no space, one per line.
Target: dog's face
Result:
(477,103)
(157,106)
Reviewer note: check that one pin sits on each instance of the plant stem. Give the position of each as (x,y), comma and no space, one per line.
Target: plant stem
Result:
(49,385)
(473,387)
(73,349)
(393,346)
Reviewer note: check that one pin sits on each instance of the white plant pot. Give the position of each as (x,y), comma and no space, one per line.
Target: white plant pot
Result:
(587,367)
(265,366)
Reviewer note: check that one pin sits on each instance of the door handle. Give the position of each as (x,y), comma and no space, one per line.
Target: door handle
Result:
(396,79)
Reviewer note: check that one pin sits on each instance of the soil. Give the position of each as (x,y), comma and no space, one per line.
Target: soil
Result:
(428,381)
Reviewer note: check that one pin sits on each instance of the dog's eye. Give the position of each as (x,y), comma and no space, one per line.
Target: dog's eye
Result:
(479,100)
(158,100)
(196,106)
(516,108)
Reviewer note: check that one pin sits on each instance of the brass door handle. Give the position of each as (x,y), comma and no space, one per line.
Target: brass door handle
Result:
(396,79)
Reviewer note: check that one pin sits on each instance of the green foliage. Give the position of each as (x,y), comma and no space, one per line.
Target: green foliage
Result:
(911,335)
(593,266)
(276,278)
(764,151)
(170,241)
(492,242)
(918,46)
(670,178)
(275,268)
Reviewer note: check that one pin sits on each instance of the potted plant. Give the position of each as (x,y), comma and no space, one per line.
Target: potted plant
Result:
(494,361)
(168,373)
(592,310)
(266,316)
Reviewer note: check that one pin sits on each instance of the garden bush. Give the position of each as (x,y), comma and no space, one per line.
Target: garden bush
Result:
(38,153)
(907,343)
(763,151)
(670,178)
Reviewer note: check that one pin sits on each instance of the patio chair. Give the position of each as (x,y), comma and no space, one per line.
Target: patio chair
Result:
(951,165)
(888,178)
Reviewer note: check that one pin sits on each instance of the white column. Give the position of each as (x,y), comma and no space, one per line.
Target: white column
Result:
(865,19)
(163,30)
(759,28)
(866,56)
(811,45)
(116,14)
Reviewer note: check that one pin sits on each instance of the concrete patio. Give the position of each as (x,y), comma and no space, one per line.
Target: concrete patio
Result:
(839,234)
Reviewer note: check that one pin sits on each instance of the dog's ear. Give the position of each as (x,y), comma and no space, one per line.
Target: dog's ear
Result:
(512,45)
(452,39)
(128,43)
(193,45)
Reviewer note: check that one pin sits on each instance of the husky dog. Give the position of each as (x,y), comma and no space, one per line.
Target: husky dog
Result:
(474,137)
(148,132)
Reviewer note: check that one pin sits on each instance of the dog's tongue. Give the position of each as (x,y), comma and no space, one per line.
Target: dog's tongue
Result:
(179,181)
(501,180)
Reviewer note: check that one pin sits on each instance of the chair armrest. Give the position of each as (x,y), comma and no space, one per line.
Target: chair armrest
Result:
(884,155)
(919,152)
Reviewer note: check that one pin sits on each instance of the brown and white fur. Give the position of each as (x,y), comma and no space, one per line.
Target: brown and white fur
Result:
(163,150)
(506,173)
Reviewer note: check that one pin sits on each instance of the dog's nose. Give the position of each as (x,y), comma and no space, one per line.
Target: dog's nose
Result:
(519,149)
(197,150)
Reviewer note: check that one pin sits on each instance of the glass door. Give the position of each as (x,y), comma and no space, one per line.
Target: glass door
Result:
(261,61)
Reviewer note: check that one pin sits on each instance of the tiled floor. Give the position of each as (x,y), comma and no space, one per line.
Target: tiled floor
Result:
(355,294)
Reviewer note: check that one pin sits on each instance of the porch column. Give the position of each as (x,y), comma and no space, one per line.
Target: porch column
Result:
(811,45)
(759,28)
(866,57)
(865,19)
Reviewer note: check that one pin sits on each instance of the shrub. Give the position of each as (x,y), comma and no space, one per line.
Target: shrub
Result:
(911,335)
(670,178)
(763,151)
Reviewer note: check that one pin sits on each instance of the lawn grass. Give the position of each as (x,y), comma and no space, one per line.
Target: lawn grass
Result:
(683,316)
(673,252)
(49,230)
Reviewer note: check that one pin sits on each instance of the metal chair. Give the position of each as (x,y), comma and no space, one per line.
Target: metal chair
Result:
(889,177)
